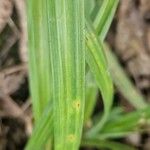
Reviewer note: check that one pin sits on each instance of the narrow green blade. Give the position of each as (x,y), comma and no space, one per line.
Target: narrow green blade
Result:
(104,17)
(59,76)
(56,34)
(42,131)
(102,23)
(96,128)
(101,73)
(105,144)
(39,60)
(39,70)
(98,66)
(91,93)
(67,48)
(123,83)
(89,5)
(129,122)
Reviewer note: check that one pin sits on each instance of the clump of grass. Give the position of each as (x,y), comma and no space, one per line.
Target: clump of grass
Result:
(58,33)
(57,66)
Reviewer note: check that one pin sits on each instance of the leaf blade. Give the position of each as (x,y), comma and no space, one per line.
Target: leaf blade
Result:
(68,69)
(97,62)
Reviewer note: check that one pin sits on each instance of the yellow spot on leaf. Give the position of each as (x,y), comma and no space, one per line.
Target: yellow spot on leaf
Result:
(71,137)
(76,105)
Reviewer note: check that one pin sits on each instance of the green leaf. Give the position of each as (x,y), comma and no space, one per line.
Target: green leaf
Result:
(123,83)
(42,131)
(96,8)
(95,52)
(125,124)
(67,51)
(39,59)
(104,17)
(59,75)
(114,135)
(57,61)
(91,93)
(89,5)
(105,144)
(129,122)
(115,113)
(98,66)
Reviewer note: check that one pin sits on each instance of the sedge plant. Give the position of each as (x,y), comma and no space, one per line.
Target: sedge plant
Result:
(66,46)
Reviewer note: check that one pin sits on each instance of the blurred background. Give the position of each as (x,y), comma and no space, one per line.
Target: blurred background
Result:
(128,37)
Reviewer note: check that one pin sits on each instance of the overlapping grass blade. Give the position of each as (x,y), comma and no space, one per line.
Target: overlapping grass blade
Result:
(105,144)
(42,131)
(39,60)
(98,66)
(66,32)
(129,122)
(126,124)
(39,69)
(95,9)
(115,112)
(123,83)
(96,59)
(118,75)
(89,5)
(56,31)
(91,88)
(59,75)
(104,17)
(101,59)
(135,103)
(91,93)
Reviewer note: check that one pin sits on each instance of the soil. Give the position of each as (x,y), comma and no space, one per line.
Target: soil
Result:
(129,37)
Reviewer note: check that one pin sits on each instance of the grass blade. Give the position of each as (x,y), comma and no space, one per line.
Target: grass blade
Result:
(91,93)
(42,131)
(122,82)
(89,5)
(68,71)
(104,17)
(53,22)
(39,60)
(101,24)
(60,23)
(104,144)
(95,10)
(129,122)
(98,66)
